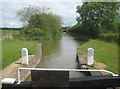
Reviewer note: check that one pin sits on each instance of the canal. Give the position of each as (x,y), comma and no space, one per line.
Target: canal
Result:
(61,54)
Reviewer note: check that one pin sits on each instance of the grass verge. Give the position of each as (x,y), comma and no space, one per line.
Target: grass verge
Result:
(11,50)
(104,52)
(13,32)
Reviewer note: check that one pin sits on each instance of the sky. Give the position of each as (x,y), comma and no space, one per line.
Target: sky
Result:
(64,8)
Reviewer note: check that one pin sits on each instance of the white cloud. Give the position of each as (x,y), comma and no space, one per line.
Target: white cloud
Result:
(65,8)
(40,0)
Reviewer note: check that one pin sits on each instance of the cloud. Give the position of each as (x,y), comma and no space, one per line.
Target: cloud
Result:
(40,1)
(65,8)
(8,12)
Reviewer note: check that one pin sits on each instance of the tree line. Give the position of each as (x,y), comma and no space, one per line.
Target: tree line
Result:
(98,19)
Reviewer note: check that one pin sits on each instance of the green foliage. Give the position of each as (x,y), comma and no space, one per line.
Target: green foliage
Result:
(79,29)
(97,17)
(11,33)
(34,33)
(110,37)
(25,13)
(104,52)
(41,25)
(14,32)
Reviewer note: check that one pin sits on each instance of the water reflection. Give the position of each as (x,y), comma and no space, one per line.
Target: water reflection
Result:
(50,47)
(61,54)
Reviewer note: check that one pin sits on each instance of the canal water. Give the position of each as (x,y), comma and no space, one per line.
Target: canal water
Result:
(61,54)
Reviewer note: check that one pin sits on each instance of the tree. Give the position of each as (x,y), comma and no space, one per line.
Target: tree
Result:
(40,23)
(98,16)
(49,23)
(25,13)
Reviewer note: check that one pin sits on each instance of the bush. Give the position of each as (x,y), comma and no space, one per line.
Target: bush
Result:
(39,23)
(42,27)
(111,37)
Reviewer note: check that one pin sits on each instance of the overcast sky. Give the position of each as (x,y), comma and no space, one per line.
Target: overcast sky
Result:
(65,8)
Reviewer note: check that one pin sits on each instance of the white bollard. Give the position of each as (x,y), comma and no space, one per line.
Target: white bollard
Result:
(8,81)
(90,56)
(25,56)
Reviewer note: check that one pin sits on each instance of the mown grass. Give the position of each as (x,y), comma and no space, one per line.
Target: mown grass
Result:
(11,50)
(104,52)
(0,51)
(0,31)
(0,55)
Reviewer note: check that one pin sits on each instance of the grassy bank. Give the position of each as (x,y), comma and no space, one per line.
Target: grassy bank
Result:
(0,55)
(13,32)
(11,50)
(104,52)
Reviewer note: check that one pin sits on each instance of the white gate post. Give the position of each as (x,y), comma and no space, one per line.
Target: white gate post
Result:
(25,56)
(90,60)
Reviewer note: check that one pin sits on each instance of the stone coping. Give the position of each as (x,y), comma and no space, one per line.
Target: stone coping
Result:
(11,70)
